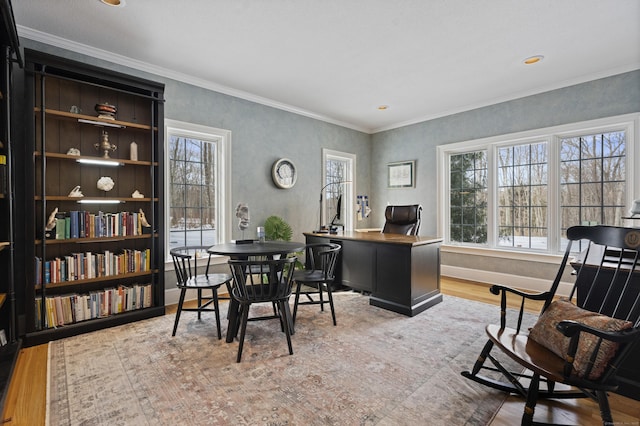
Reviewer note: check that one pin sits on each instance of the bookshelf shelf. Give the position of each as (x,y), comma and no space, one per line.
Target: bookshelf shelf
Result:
(92,120)
(89,240)
(99,235)
(96,199)
(73,283)
(75,158)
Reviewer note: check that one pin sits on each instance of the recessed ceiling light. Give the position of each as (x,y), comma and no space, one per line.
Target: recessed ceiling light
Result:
(533,59)
(383,107)
(116,3)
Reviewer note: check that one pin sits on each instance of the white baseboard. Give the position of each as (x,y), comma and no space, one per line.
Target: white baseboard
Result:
(489,277)
(172,295)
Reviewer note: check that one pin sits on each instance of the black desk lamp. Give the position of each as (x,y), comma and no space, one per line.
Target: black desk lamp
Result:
(322,229)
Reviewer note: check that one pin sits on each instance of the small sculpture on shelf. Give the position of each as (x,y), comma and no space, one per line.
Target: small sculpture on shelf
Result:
(105,183)
(146,226)
(105,145)
(51,223)
(137,194)
(106,111)
(74,152)
(75,192)
(133,151)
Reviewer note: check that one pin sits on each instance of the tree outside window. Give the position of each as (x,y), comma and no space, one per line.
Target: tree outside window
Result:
(468,197)
(192,191)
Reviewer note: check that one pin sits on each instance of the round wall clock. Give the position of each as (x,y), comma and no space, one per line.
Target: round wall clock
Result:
(284,173)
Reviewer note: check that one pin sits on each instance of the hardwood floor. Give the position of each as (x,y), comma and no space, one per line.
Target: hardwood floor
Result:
(26,400)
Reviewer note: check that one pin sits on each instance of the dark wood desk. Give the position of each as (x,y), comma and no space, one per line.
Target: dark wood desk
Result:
(401,273)
(242,251)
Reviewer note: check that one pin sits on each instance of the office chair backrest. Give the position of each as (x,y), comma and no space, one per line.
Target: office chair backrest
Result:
(402,219)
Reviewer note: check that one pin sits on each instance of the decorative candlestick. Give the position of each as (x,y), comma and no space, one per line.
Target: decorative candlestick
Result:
(105,145)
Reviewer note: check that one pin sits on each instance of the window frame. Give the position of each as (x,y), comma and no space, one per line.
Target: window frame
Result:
(222,138)
(630,123)
(348,200)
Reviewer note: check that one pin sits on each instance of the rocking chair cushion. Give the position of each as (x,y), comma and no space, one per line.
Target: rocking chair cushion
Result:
(545,333)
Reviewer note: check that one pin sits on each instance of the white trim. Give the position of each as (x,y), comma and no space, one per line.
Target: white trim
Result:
(26,32)
(350,189)
(516,281)
(630,123)
(530,135)
(223,178)
(510,254)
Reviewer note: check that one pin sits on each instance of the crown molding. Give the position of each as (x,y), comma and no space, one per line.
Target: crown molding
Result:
(52,40)
(555,86)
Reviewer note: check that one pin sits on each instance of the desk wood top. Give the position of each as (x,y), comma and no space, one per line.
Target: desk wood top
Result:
(378,237)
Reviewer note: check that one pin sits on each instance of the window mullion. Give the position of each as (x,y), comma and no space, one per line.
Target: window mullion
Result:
(553,194)
(492,196)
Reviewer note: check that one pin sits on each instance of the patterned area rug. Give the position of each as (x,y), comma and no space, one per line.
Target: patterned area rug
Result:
(375,368)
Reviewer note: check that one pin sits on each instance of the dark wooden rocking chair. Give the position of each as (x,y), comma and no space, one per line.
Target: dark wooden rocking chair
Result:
(580,341)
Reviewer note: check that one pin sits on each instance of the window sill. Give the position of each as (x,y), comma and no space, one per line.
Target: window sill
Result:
(503,254)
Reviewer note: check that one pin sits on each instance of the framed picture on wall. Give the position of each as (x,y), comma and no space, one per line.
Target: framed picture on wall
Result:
(401,174)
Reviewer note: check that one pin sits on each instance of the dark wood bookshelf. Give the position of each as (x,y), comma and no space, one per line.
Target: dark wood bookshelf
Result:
(61,95)
(10,60)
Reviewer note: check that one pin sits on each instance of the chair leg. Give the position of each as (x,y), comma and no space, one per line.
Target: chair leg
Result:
(320,297)
(295,303)
(183,292)
(532,399)
(234,319)
(243,329)
(482,357)
(605,410)
(289,318)
(333,311)
(199,302)
(217,311)
(286,322)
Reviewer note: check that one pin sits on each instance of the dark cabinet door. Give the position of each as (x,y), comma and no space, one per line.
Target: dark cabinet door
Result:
(358,265)
(393,269)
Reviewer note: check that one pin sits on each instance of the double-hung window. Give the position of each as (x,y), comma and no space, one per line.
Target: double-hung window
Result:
(523,191)
(339,169)
(197,184)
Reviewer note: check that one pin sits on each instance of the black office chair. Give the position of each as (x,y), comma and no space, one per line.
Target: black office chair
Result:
(317,277)
(402,219)
(259,281)
(188,279)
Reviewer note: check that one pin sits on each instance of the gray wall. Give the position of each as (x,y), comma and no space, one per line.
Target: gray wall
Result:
(606,97)
(263,134)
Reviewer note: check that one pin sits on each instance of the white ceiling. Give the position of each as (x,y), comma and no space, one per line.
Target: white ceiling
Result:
(338,60)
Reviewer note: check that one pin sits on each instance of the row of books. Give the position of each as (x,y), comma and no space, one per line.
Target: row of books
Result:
(67,309)
(84,224)
(88,265)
